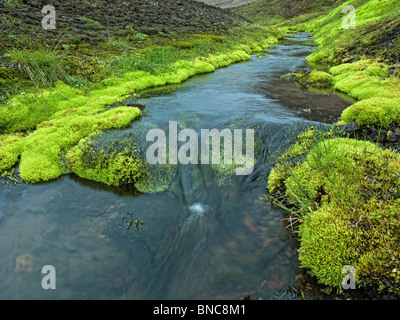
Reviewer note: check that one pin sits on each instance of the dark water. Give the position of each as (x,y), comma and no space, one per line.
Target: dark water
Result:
(201,238)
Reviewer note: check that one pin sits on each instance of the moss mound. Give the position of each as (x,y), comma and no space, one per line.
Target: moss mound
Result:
(378,92)
(345,194)
(317,79)
(114,162)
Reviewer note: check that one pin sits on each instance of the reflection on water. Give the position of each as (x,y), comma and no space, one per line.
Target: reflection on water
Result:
(196,240)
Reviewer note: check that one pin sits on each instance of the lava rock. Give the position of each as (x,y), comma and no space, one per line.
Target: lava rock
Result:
(350,127)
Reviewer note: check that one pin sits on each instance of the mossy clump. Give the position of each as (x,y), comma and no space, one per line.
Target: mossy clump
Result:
(379,112)
(364,79)
(377,92)
(298,149)
(316,79)
(327,245)
(43,149)
(345,195)
(10,150)
(114,162)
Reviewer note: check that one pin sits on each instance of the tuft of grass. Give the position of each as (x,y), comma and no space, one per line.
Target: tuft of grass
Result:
(43,149)
(329,32)
(43,67)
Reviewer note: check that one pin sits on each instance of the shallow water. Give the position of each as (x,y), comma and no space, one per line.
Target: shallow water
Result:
(198,239)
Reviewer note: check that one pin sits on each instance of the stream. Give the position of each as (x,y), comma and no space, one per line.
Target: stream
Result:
(205,235)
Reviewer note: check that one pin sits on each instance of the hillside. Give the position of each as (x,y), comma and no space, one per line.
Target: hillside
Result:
(227,3)
(93,20)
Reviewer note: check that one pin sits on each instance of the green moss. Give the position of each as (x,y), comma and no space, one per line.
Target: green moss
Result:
(368,81)
(91,22)
(326,159)
(327,245)
(41,155)
(256,47)
(328,29)
(345,193)
(110,162)
(276,179)
(379,112)
(10,150)
(318,79)
(365,79)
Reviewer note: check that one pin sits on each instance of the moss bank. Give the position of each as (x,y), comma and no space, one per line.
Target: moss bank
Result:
(345,194)
(377,92)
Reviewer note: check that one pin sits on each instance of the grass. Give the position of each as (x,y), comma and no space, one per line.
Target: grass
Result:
(42,67)
(43,149)
(91,22)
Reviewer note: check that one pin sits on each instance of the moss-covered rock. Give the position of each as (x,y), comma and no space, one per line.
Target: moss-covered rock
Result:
(379,112)
(327,245)
(111,162)
(317,79)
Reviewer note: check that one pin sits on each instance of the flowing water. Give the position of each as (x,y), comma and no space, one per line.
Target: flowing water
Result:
(205,236)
